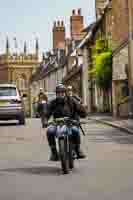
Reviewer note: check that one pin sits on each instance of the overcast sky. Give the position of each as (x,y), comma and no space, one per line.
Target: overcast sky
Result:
(28,19)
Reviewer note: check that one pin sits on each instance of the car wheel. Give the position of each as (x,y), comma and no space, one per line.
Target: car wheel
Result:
(22,121)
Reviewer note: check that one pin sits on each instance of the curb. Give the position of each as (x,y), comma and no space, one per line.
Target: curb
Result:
(129,131)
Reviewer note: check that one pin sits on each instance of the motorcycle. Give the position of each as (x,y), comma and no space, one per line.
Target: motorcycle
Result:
(65,144)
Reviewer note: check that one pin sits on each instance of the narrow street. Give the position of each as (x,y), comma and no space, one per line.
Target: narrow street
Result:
(26,173)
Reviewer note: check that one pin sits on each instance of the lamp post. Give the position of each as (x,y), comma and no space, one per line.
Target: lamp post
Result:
(130,25)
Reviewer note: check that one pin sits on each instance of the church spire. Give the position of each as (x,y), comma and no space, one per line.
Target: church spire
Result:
(7,46)
(37,47)
(25,48)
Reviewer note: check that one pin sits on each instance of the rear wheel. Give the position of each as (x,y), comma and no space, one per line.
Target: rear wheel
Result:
(22,121)
(63,153)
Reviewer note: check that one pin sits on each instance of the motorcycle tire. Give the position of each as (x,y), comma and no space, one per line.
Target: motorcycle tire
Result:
(71,157)
(63,153)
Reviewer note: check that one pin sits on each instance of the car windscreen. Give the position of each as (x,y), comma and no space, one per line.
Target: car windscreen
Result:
(7,91)
(51,96)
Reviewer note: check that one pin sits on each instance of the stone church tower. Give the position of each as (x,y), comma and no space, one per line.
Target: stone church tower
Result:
(18,68)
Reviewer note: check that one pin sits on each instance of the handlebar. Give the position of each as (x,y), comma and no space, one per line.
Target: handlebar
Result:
(66,120)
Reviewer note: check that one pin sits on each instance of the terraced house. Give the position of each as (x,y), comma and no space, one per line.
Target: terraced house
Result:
(59,63)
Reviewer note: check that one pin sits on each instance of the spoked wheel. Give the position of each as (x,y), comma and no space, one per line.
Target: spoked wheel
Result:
(64,156)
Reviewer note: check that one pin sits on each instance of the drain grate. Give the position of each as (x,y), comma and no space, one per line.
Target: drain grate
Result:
(20,138)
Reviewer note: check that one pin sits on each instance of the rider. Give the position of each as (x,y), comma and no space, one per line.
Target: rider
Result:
(42,107)
(71,94)
(63,106)
(40,92)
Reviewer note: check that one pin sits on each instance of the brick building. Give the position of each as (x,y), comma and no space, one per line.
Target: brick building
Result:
(120,34)
(101,29)
(120,21)
(60,63)
(114,26)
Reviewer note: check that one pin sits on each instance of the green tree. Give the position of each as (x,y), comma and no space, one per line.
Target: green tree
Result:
(102,68)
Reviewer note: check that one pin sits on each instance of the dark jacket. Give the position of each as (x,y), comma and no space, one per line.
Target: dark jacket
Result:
(77,98)
(67,107)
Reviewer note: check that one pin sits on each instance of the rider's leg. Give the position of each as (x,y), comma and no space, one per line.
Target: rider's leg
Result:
(77,142)
(51,133)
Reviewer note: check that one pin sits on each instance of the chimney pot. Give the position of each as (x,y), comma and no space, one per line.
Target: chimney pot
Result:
(73,12)
(62,23)
(58,23)
(54,23)
(79,11)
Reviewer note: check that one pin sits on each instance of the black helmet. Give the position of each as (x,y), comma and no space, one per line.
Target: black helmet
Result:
(60,88)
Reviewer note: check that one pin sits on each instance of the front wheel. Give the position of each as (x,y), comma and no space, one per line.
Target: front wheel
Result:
(63,153)
(71,156)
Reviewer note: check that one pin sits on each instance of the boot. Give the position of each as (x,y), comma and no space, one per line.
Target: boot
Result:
(79,152)
(54,154)
(76,141)
(52,144)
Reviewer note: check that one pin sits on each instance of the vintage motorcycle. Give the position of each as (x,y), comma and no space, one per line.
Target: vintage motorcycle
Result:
(65,144)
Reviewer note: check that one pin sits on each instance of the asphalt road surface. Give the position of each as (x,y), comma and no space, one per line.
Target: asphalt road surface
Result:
(26,173)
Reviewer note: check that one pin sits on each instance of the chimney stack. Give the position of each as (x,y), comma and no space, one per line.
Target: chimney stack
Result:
(76,25)
(58,35)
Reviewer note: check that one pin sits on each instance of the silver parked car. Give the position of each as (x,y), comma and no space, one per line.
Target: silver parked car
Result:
(11,104)
(50,95)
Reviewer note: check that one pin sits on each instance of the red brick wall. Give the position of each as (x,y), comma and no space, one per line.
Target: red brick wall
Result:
(130,2)
(108,23)
(120,20)
(76,25)
(59,35)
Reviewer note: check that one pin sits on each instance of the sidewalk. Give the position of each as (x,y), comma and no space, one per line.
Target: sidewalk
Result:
(122,124)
